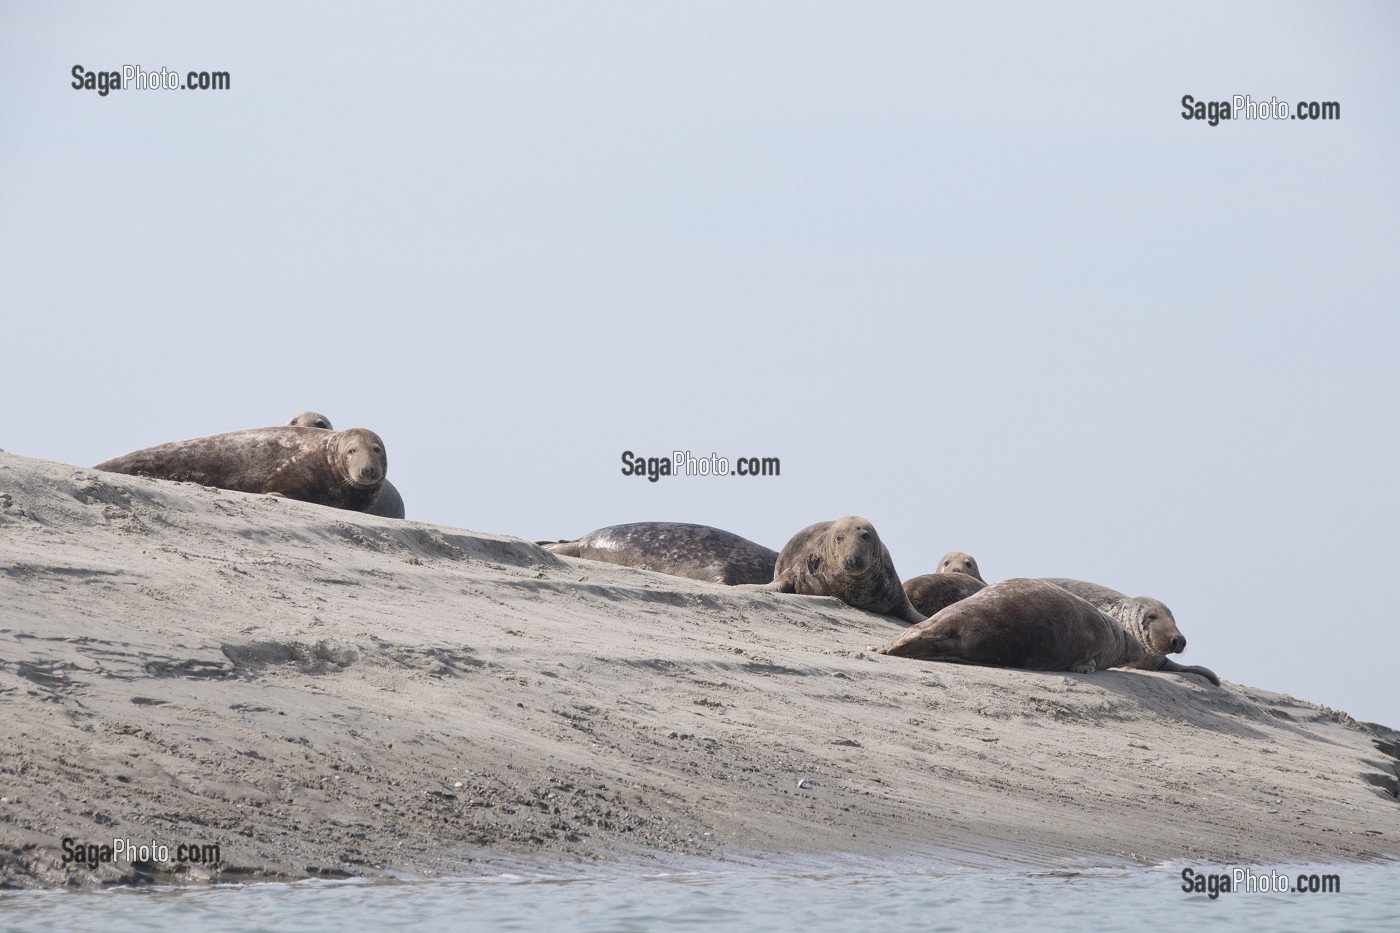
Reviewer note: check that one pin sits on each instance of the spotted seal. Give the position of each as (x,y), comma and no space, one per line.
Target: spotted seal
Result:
(678,548)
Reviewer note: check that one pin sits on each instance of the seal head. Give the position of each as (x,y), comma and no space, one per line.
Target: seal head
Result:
(846,559)
(960,562)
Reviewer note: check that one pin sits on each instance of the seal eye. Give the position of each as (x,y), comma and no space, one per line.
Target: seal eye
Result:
(1152,617)
(840,538)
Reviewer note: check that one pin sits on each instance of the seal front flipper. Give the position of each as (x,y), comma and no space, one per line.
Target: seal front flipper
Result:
(1169,666)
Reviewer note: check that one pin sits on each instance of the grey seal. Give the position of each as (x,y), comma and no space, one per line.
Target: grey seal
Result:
(931,592)
(344,469)
(388,503)
(960,562)
(845,559)
(1036,625)
(1136,614)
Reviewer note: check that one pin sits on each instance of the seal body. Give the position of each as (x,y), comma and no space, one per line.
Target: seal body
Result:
(678,548)
(344,469)
(845,559)
(960,562)
(932,592)
(1039,626)
(389,502)
(1146,618)
(1030,624)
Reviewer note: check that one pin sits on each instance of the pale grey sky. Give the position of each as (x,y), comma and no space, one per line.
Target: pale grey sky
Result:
(965,270)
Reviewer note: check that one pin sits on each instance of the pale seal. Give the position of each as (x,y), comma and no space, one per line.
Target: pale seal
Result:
(344,469)
(1036,625)
(960,562)
(845,559)
(388,503)
(1134,613)
(934,591)
(678,548)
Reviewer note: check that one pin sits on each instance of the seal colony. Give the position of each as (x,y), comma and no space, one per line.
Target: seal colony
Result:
(1051,624)
(678,548)
(344,469)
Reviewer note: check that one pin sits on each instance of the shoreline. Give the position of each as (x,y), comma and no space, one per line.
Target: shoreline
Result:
(326,693)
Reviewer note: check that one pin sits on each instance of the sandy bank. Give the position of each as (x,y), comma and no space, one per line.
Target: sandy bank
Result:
(323,692)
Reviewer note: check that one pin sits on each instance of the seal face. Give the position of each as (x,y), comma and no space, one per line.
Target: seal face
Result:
(389,503)
(960,562)
(344,469)
(932,592)
(678,548)
(1034,625)
(845,559)
(1147,619)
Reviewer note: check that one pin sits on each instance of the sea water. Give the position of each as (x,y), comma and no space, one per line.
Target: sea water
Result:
(754,899)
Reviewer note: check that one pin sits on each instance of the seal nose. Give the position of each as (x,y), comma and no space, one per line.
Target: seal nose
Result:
(1178,644)
(369,471)
(854,562)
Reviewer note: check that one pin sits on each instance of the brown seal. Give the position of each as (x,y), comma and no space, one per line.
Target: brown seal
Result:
(1036,625)
(934,591)
(678,548)
(344,469)
(388,503)
(845,559)
(960,562)
(1136,614)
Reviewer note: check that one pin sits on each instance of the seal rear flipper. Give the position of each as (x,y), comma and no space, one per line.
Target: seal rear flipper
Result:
(563,548)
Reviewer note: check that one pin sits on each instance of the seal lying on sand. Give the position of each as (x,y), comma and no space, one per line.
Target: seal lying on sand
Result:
(388,503)
(678,548)
(934,591)
(845,559)
(960,562)
(1134,613)
(1038,626)
(344,469)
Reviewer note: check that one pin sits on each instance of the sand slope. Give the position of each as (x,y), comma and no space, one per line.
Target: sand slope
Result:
(324,692)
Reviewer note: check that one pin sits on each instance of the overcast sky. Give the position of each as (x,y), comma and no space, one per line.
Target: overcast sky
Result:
(965,270)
